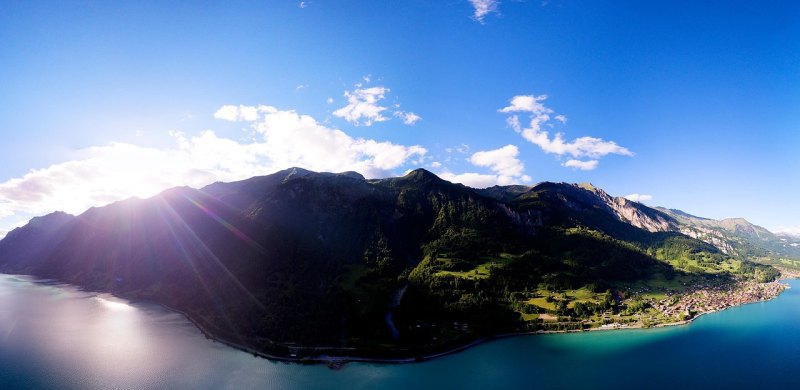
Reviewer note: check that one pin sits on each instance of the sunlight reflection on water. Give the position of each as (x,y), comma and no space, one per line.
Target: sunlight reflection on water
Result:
(57,336)
(114,305)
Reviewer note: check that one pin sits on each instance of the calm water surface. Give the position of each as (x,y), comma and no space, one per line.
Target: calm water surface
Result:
(57,336)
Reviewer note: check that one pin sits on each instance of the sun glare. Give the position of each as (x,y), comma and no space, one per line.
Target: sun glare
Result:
(113,305)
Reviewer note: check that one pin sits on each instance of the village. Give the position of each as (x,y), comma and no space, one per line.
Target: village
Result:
(678,307)
(717,297)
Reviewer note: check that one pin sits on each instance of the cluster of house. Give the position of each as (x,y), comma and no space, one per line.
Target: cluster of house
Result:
(718,297)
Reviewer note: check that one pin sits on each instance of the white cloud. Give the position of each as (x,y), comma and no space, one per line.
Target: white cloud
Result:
(292,139)
(480,180)
(408,118)
(788,230)
(483,8)
(362,106)
(587,165)
(641,198)
(580,147)
(103,175)
(117,171)
(475,180)
(502,161)
(242,113)
(304,4)
(583,147)
(329,100)
(527,103)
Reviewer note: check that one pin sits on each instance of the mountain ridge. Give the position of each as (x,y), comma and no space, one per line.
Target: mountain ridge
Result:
(297,259)
(735,236)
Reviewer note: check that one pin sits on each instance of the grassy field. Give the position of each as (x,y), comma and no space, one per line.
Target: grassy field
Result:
(792,265)
(482,266)
(581,295)
(529,317)
(546,300)
(541,303)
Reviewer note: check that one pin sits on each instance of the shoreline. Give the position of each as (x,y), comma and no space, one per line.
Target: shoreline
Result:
(337,362)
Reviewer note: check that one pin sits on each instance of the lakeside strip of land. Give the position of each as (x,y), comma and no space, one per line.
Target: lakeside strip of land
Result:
(704,299)
(700,301)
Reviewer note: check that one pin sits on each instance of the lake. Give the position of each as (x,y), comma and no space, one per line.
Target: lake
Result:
(57,336)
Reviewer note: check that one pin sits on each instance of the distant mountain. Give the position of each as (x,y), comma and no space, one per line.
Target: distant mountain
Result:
(736,236)
(295,260)
(503,193)
(24,248)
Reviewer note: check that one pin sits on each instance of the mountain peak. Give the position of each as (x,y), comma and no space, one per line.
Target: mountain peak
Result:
(420,171)
(598,191)
(293,172)
(56,217)
(421,174)
(352,174)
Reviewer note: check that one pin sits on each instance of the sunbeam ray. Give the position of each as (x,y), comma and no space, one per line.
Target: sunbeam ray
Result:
(207,251)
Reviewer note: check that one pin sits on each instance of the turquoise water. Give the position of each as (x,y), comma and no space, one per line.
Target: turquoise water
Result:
(56,336)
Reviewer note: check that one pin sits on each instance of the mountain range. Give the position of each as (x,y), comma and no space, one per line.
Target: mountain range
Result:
(736,236)
(302,263)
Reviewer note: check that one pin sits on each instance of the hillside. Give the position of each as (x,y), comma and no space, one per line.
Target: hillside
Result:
(740,238)
(404,266)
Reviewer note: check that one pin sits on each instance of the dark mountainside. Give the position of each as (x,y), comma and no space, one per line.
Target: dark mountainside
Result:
(297,260)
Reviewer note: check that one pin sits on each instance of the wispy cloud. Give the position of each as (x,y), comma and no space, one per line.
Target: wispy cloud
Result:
(788,230)
(116,171)
(539,115)
(527,103)
(639,197)
(408,118)
(463,149)
(586,165)
(482,8)
(364,106)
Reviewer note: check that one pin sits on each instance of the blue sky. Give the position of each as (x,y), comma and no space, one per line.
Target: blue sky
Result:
(691,105)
